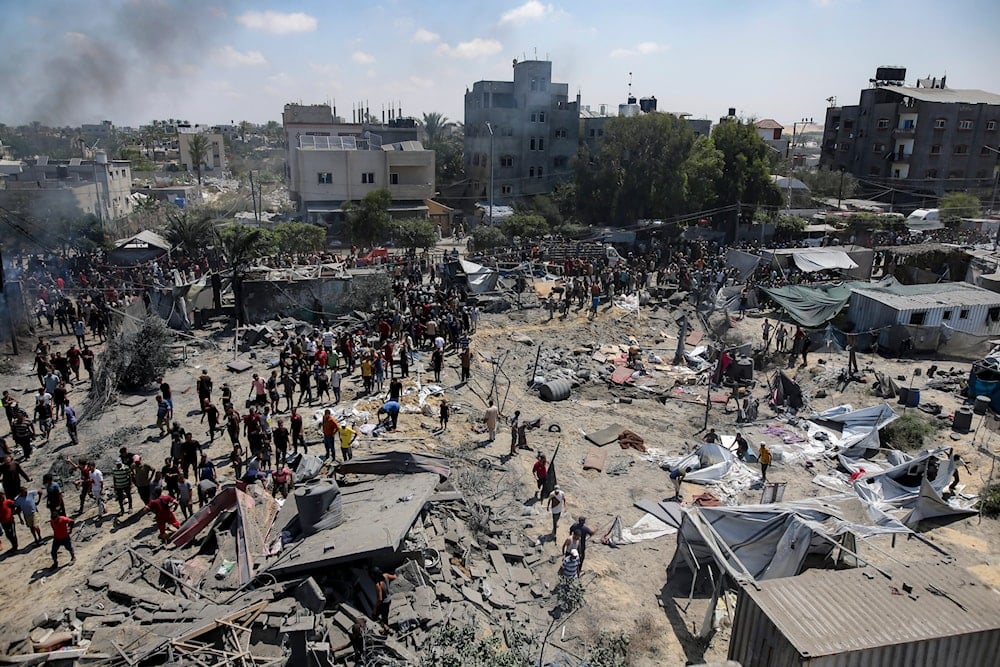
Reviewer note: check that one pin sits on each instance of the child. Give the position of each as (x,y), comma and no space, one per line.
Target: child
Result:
(445,412)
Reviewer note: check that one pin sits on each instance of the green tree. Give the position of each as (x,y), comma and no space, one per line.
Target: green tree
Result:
(198,148)
(434,124)
(414,233)
(525,225)
(746,174)
(368,221)
(547,208)
(827,183)
(639,172)
(449,160)
(242,246)
(564,197)
(190,232)
(299,237)
(486,237)
(956,205)
(702,169)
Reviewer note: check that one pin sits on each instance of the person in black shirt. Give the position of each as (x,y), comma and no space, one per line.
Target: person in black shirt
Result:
(280,437)
(395,389)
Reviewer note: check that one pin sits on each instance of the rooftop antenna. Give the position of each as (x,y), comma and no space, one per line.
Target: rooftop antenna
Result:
(630,84)
(536,53)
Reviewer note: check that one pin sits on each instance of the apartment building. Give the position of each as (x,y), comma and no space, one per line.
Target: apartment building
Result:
(215,156)
(922,139)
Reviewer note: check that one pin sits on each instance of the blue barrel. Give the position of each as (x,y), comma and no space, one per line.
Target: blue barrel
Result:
(913,398)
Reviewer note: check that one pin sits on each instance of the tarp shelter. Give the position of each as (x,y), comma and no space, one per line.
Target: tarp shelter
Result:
(823,261)
(811,306)
(858,428)
(756,542)
(785,392)
(853,261)
(138,249)
(709,463)
(480,278)
(745,263)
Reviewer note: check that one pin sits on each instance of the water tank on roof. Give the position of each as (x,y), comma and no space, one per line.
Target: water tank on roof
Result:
(314,502)
(647,104)
(101,157)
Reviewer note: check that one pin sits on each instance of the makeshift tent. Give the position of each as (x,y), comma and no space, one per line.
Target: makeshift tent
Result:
(744,263)
(785,392)
(811,306)
(709,463)
(823,261)
(481,278)
(752,542)
(858,428)
(138,249)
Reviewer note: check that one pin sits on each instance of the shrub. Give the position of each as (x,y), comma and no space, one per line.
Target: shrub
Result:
(908,433)
(989,500)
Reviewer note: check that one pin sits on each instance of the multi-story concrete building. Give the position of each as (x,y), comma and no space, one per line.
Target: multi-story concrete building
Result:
(923,139)
(47,189)
(215,156)
(330,162)
(527,129)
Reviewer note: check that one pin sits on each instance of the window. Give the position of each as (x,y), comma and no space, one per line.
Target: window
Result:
(844,146)
(956,173)
(991,125)
(506,132)
(475,159)
(917,318)
(939,123)
(895,173)
(531,172)
(506,160)
(936,149)
(965,124)
(994,314)
(561,133)
(393,178)
(541,116)
(543,84)
(540,171)
(878,148)
(981,173)
(963,315)
(506,189)
(947,314)
(883,123)
(368,177)
(848,124)
(534,84)
(541,143)
(961,149)
(592,133)
(534,118)
(324,178)
(559,161)
(531,144)
(600,132)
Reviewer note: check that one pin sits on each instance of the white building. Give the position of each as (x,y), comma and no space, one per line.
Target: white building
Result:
(215,156)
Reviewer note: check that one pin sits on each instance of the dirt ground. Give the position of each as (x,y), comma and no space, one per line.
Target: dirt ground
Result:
(626,587)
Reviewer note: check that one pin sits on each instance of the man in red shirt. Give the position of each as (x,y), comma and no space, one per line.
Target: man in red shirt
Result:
(61,525)
(7,508)
(540,470)
(161,507)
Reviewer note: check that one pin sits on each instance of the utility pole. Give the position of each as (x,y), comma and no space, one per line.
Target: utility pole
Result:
(840,192)
(490,128)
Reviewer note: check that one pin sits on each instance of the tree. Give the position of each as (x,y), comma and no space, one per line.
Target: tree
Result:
(449,160)
(299,237)
(827,183)
(414,233)
(486,237)
(525,225)
(198,148)
(746,174)
(368,221)
(434,124)
(564,197)
(639,172)
(702,170)
(546,207)
(241,246)
(191,233)
(956,205)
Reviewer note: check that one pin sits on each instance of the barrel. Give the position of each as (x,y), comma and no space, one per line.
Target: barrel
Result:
(982,405)
(912,398)
(743,370)
(904,395)
(555,390)
(962,422)
(314,501)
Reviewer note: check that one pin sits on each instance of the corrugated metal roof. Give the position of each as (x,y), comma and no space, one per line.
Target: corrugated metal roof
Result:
(953,95)
(910,297)
(825,612)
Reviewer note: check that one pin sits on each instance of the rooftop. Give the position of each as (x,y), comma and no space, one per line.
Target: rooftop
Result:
(952,95)
(827,612)
(932,295)
(768,124)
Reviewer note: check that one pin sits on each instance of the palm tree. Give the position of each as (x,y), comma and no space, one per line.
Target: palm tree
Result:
(193,235)
(434,124)
(241,246)
(198,148)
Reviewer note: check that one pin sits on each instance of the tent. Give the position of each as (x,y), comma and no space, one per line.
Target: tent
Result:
(480,278)
(709,463)
(858,428)
(756,542)
(785,391)
(811,306)
(823,260)
(138,249)
(745,263)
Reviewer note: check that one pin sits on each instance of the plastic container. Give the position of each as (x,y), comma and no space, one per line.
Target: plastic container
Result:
(962,421)
(555,390)
(982,405)
(313,502)
(912,398)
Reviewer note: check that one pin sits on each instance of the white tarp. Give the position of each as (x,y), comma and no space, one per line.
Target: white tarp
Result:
(824,260)
(858,428)
(481,278)
(646,528)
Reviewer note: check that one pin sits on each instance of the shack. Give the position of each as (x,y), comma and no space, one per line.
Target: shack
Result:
(850,260)
(933,615)
(138,249)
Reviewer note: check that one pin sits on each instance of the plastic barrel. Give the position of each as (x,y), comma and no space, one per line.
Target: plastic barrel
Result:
(904,395)
(912,398)
(982,405)
(743,371)
(962,422)
(555,390)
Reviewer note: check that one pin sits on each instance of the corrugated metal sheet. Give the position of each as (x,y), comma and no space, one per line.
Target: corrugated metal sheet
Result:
(854,618)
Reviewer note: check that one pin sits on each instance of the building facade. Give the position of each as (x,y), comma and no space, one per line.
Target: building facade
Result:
(215,156)
(527,129)
(926,139)
(330,162)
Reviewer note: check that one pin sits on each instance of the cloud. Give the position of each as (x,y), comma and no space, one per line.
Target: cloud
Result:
(640,49)
(425,36)
(529,11)
(362,58)
(231,57)
(474,48)
(278,23)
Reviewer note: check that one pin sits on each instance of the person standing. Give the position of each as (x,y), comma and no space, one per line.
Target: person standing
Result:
(437,361)
(61,527)
(121,479)
(347,437)
(383,596)
(335,381)
(97,488)
(540,470)
(204,385)
(23,431)
(170,473)
(764,456)
(84,482)
(556,504)
(571,565)
(288,387)
(27,503)
(71,422)
(445,412)
(143,475)
(330,428)
(283,480)
(465,359)
(490,418)
(582,531)
(7,509)
(184,495)
(162,509)
(280,437)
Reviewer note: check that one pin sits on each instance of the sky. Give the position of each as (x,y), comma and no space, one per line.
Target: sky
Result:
(216,61)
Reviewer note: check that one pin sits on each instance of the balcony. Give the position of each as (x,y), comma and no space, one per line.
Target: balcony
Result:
(900,156)
(905,131)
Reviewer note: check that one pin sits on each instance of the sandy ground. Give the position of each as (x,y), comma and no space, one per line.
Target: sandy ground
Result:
(626,587)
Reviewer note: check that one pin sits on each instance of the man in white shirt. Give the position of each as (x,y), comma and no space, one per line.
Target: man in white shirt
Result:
(335,379)
(556,503)
(97,488)
(328,337)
